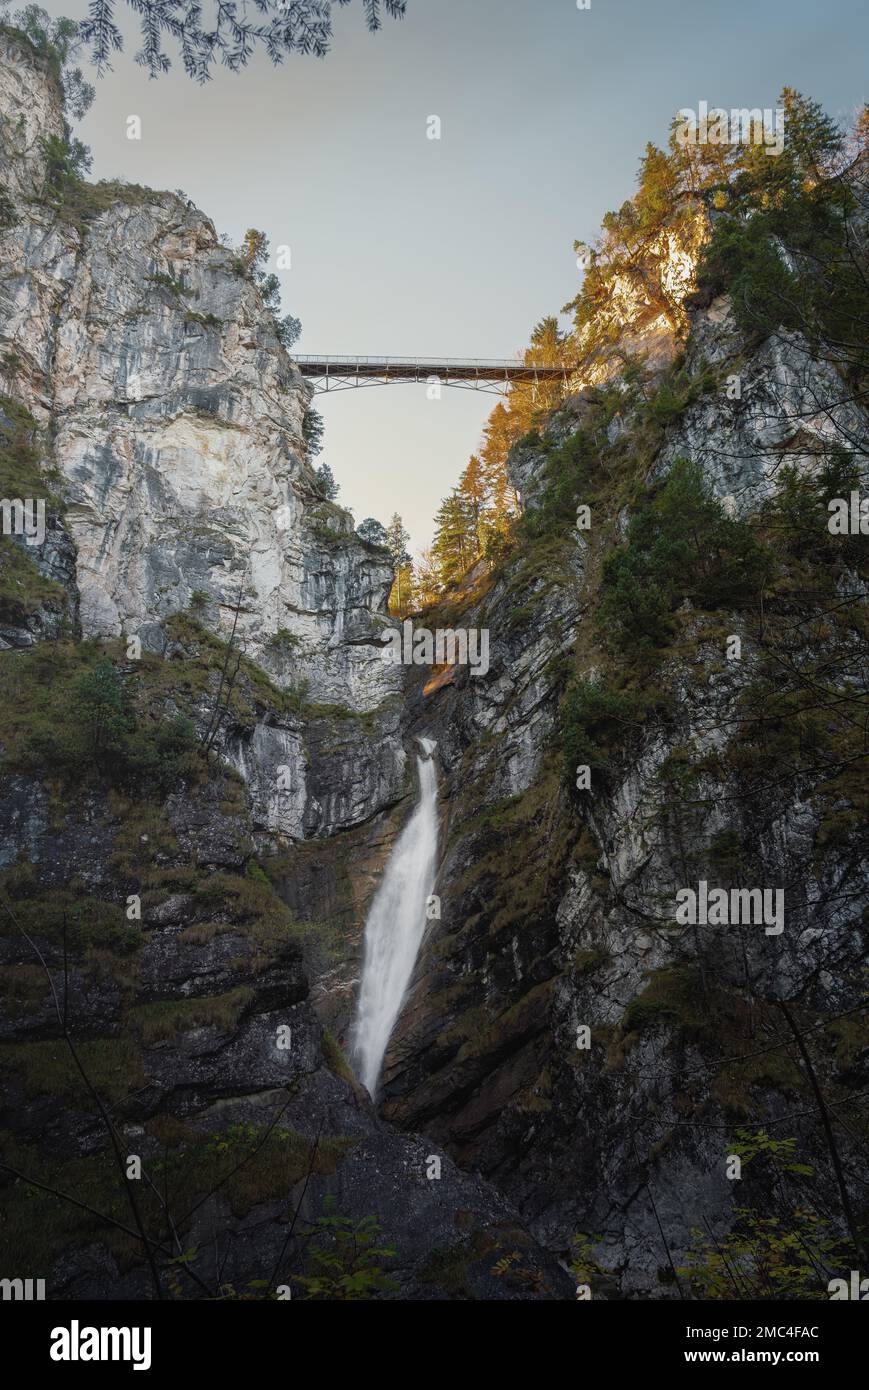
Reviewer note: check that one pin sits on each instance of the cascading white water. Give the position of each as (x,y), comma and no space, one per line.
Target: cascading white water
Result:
(396,924)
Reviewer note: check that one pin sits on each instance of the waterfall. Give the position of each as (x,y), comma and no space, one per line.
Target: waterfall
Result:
(395,926)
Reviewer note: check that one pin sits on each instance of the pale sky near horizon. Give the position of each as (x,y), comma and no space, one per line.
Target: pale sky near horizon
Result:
(402,244)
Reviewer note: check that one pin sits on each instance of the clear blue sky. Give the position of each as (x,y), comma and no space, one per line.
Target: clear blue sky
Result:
(457,247)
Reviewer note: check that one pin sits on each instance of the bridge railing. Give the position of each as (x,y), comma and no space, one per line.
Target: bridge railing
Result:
(303,359)
(331,372)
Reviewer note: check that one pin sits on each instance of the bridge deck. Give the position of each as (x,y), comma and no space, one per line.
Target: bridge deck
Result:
(446,369)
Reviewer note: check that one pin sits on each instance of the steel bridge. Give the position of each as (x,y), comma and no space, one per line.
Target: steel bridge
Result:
(476,374)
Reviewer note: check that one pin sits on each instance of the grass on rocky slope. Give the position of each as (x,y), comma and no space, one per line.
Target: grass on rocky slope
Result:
(23,589)
(247,1164)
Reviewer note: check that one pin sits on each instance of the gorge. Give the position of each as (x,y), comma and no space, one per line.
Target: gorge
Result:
(224,816)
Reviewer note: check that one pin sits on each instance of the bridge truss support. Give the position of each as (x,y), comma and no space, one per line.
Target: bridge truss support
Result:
(474,374)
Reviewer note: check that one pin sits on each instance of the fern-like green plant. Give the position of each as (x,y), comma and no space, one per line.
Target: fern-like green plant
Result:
(346,1258)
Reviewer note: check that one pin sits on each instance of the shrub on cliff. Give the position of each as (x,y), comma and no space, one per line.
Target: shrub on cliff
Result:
(8,215)
(152,756)
(780,1248)
(681,544)
(104,716)
(79,723)
(598,718)
(55,40)
(346,1258)
(788,241)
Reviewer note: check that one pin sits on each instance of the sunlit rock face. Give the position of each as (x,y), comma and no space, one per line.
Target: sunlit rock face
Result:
(177,427)
(642,311)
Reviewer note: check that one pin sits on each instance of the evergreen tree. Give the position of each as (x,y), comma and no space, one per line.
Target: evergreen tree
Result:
(659,188)
(501,431)
(404,589)
(326,482)
(503,511)
(530,400)
(252,257)
(289,331)
(547,343)
(477,516)
(220,31)
(312,433)
(427,583)
(254,249)
(371,531)
(102,712)
(474,492)
(453,547)
(397,538)
(270,289)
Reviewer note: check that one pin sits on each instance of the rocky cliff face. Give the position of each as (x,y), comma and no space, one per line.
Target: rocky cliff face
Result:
(196,1029)
(172,419)
(559,906)
(175,418)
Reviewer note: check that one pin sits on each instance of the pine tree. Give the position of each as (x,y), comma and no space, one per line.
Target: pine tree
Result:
(101,709)
(326,482)
(289,330)
(254,248)
(503,511)
(474,492)
(223,32)
(547,343)
(453,547)
(814,140)
(312,433)
(404,590)
(501,432)
(657,195)
(397,538)
(371,531)
(530,400)
(427,583)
